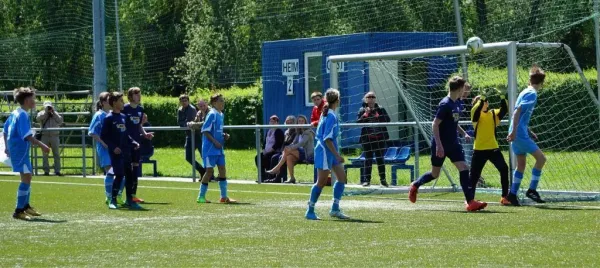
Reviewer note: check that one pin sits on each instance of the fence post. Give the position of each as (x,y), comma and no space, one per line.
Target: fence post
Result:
(35,159)
(83,149)
(193,141)
(258,156)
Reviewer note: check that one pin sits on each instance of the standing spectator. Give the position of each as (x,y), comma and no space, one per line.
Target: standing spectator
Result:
(50,118)
(272,145)
(185,114)
(373,139)
(317,99)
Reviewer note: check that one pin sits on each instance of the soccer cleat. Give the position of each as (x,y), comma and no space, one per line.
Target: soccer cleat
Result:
(504,201)
(32,212)
(366,184)
(137,199)
(475,205)
(311,216)
(21,216)
(133,206)
(384,183)
(202,200)
(534,195)
(227,200)
(120,200)
(338,214)
(412,193)
(112,205)
(513,199)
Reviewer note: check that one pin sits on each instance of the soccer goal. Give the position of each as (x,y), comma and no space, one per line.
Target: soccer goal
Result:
(409,84)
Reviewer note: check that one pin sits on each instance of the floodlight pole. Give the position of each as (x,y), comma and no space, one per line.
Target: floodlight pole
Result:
(461,39)
(99,48)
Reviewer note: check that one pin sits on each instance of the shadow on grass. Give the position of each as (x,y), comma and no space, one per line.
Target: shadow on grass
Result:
(470,212)
(356,221)
(235,204)
(564,207)
(156,203)
(47,220)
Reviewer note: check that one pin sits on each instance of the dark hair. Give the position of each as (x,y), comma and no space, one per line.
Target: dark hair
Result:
(22,93)
(332,96)
(456,83)
(131,91)
(214,98)
(183,96)
(102,97)
(536,75)
(114,97)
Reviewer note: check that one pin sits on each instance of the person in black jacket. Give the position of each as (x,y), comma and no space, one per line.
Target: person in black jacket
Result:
(373,139)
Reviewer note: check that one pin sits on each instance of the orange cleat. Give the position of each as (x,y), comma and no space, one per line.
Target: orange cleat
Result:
(137,199)
(227,200)
(504,201)
(412,193)
(475,205)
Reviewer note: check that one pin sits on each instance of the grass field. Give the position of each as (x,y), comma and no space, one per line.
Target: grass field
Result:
(268,229)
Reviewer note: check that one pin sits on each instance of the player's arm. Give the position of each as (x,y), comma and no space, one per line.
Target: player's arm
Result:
(503,107)
(5,134)
(147,135)
(24,129)
(476,110)
(133,142)
(436,136)
(106,133)
(212,139)
(515,122)
(207,127)
(329,126)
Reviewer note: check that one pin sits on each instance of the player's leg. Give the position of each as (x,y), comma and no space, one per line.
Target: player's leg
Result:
(323,164)
(457,156)
(498,161)
(223,181)
(536,173)
(436,167)
(517,177)
(338,191)
(23,192)
(109,178)
(135,172)
(478,161)
(119,169)
(209,164)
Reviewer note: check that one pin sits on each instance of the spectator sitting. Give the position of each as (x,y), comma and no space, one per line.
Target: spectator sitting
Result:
(373,139)
(302,150)
(272,145)
(290,133)
(315,116)
(50,118)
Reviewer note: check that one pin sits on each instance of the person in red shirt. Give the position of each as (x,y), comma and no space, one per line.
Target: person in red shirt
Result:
(317,99)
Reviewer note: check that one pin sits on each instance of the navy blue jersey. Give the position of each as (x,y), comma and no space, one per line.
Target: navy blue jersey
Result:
(449,112)
(134,120)
(114,132)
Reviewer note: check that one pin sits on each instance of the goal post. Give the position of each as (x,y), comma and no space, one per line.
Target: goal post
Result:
(389,68)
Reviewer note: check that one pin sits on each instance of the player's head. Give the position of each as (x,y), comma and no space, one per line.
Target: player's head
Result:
(332,96)
(103,101)
(134,95)
(536,76)
(184,100)
(115,100)
(484,104)
(370,98)
(202,106)
(217,101)
(457,84)
(25,96)
(317,98)
(466,91)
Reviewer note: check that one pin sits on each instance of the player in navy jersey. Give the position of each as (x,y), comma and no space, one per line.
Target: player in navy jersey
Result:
(213,140)
(114,134)
(134,113)
(521,140)
(18,139)
(445,143)
(327,158)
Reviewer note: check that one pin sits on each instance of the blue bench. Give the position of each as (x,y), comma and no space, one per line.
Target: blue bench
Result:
(394,156)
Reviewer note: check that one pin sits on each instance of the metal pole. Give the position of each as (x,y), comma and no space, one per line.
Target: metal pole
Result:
(416,135)
(83,169)
(333,83)
(118,45)
(512,91)
(258,156)
(597,43)
(193,141)
(99,48)
(461,40)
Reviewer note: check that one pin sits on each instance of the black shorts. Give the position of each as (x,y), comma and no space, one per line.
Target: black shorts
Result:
(454,151)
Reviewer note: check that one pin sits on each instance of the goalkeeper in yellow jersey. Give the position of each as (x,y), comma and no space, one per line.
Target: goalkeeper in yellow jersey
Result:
(486,147)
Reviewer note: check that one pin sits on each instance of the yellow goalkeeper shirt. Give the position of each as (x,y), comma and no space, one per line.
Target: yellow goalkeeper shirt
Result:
(485,125)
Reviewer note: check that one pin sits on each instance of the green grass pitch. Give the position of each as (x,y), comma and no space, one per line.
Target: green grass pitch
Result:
(268,229)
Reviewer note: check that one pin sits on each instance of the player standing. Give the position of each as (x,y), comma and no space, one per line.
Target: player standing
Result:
(520,138)
(445,143)
(20,137)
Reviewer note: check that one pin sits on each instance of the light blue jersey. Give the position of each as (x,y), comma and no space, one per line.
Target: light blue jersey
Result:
(213,124)
(328,129)
(526,100)
(19,128)
(96,129)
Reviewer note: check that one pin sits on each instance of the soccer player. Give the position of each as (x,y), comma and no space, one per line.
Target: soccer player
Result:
(134,113)
(486,148)
(327,158)
(520,138)
(20,136)
(114,134)
(445,143)
(213,140)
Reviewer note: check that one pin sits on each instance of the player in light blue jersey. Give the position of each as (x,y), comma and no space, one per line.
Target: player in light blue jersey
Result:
(213,140)
(327,158)
(19,138)
(521,140)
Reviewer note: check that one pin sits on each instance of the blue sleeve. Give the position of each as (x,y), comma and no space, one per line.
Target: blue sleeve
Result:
(209,121)
(6,123)
(93,129)
(328,128)
(24,126)
(443,111)
(528,101)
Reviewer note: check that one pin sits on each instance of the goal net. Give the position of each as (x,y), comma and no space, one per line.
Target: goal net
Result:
(409,85)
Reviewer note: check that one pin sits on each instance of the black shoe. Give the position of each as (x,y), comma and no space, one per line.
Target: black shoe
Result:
(46,173)
(59,174)
(513,199)
(366,184)
(534,195)
(384,183)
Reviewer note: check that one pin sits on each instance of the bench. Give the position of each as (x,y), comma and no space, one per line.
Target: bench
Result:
(147,151)
(394,156)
